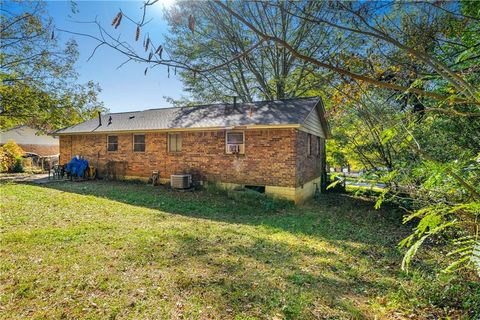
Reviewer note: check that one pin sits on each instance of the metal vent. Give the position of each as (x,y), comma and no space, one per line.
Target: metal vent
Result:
(181,181)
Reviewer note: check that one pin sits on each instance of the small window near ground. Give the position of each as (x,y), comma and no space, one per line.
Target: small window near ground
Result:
(235,142)
(309,144)
(112,143)
(139,142)
(174,142)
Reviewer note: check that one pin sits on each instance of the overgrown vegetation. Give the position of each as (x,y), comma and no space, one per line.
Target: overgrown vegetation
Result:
(11,157)
(250,197)
(37,72)
(18,166)
(126,250)
(400,80)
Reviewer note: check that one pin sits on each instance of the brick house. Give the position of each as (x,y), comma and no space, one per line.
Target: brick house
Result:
(278,146)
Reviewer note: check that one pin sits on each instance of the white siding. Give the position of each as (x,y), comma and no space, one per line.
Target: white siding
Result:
(312,124)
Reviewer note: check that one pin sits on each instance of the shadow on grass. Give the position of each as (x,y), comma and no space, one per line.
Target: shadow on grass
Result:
(299,277)
(333,217)
(260,277)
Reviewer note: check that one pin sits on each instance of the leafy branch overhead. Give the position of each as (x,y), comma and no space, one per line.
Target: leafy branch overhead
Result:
(314,17)
(38,76)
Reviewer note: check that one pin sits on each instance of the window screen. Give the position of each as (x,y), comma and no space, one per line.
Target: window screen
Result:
(112,143)
(139,142)
(175,142)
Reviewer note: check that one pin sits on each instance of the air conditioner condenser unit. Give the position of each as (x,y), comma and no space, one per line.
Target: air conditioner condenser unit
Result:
(181,181)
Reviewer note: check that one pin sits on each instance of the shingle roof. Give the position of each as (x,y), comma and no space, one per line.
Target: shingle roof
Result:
(278,112)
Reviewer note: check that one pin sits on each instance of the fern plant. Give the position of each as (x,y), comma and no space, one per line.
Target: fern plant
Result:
(434,220)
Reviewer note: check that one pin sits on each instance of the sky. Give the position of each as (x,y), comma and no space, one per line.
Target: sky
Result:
(127,88)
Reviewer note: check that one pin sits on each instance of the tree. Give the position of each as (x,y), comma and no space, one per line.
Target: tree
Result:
(395,74)
(38,75)
(24,104)
(269,72)
(437,213)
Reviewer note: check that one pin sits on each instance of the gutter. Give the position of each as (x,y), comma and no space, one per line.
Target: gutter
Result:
(246,127)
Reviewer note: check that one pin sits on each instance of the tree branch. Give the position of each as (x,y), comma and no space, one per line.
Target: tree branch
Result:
(344,72)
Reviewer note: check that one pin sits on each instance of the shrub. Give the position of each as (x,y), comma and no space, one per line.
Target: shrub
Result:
(27,163)
(9,153)
(17,166)
(3,161)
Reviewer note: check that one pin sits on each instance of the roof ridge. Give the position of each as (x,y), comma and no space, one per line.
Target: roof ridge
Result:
(124,112)
(218,104)
(288,99)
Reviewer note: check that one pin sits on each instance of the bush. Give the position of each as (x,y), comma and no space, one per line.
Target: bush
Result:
(3,161)
(27,163)
(18,166)
(9,153)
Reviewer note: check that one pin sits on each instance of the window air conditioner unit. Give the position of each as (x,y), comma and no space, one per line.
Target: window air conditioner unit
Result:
(234,148)
(181,181)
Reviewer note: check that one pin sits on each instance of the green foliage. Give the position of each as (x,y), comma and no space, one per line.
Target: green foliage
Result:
(38,77)
(10,153)
(18,166)
(427,150)
(270,72)
(25,104)
(337,155)
(334,184)
(444,204)
(3,163)
(381,198)
(402,90)
(434,220)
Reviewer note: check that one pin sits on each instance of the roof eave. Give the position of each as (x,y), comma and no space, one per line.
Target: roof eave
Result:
(237,127)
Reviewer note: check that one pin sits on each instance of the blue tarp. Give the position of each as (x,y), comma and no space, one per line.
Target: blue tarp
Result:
(77,167)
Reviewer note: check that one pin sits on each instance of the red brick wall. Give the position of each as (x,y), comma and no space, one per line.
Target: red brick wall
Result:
(308,166)
(269,156)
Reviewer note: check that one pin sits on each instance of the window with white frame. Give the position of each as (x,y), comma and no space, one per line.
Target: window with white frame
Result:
(174,142)
(235,142)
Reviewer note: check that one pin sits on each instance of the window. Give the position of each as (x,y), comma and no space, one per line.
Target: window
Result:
(235,142)
(139,142)
(309,144)
(319,145)
(112,143)
(174,142)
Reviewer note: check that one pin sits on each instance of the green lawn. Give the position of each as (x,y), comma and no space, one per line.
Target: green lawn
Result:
(126,250)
